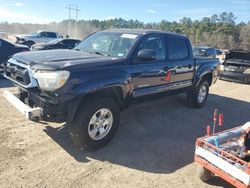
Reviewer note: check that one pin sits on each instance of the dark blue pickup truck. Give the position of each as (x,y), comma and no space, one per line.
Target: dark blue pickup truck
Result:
(88,86)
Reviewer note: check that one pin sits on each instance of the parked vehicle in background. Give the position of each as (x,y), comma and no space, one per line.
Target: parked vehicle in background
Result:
(37,37)
(56,44)
(236,66)
(218,52)
(204,51)
(220,55)
(8,49)
(3,34)
(88,86)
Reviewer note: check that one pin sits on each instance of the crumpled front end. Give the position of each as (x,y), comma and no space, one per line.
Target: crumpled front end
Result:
(236,68)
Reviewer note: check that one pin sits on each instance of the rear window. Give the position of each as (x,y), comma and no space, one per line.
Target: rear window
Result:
(177,48)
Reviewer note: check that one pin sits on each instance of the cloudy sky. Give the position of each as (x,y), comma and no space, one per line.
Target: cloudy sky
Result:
(44,11)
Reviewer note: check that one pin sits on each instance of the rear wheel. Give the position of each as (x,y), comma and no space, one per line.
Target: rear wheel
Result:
(95,124)
(204,174)
(198,97)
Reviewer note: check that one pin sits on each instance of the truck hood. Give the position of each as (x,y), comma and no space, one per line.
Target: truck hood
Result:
(239,58)
(24,36)
(60,59)
(39,46)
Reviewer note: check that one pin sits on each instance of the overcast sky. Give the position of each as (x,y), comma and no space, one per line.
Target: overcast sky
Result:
(45,11)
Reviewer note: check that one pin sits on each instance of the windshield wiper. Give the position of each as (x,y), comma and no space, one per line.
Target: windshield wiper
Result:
(96,52)
(99,53)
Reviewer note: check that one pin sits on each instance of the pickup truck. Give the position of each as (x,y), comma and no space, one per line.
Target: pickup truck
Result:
(89,86)
(36,37)
(236,67)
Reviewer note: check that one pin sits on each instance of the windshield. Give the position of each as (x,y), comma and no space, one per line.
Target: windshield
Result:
(35,33)
(108,44)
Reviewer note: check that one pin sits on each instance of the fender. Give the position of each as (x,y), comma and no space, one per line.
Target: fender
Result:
(95,85)
(203,69)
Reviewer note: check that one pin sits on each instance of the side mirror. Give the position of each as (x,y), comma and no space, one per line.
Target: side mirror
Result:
(146,55)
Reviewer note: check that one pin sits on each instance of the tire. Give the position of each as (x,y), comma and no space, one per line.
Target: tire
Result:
(198,97)
(204,174)
(83,131)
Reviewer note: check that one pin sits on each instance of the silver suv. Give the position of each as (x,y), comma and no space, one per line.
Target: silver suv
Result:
(37,37)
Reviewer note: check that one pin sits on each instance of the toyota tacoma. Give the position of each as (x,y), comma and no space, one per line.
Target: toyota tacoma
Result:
(89,86)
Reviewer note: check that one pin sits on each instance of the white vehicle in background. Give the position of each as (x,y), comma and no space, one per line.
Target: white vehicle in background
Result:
(3,34)
(37,37)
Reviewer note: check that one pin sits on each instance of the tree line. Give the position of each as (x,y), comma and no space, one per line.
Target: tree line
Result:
(220,31)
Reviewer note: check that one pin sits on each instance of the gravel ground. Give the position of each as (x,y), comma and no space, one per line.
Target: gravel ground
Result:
(154,146)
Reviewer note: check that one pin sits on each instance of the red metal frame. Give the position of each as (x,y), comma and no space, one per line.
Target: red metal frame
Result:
(220,173)
(204,163)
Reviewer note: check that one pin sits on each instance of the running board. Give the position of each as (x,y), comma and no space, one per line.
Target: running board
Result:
(33,114)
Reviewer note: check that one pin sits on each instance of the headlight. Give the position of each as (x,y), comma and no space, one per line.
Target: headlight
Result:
(221,67)
(51,80)
(247,71)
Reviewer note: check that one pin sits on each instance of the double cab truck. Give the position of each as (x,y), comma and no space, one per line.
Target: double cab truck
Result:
(89,86)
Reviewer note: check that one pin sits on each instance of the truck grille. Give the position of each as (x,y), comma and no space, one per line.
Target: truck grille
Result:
(17,73)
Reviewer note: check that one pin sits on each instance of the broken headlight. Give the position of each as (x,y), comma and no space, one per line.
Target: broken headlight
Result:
(247,71)
(222,67)
(51,80)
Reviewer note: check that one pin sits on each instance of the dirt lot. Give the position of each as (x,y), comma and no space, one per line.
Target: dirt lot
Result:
(154,146)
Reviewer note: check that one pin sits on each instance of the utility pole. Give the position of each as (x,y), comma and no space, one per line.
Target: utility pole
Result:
(74,8)
(69,7)
(77,10)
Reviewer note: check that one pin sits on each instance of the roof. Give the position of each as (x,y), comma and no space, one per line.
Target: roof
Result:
(204,47)
(39,31)
(140,31)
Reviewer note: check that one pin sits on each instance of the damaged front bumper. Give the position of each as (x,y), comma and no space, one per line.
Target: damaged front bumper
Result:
(33,114)
(35,107)
(235,77)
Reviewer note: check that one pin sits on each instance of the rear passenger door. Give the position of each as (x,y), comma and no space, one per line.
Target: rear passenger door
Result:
(181,60)
(49,36)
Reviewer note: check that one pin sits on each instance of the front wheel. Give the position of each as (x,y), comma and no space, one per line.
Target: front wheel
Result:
(95,124)
(198,97)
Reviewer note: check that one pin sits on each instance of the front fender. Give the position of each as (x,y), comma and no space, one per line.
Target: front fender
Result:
(103,82)
(95,85)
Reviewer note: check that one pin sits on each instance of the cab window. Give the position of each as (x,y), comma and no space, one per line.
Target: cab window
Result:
(177,48)
(156,44)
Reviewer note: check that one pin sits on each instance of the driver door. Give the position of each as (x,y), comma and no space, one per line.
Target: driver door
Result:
(150,76)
